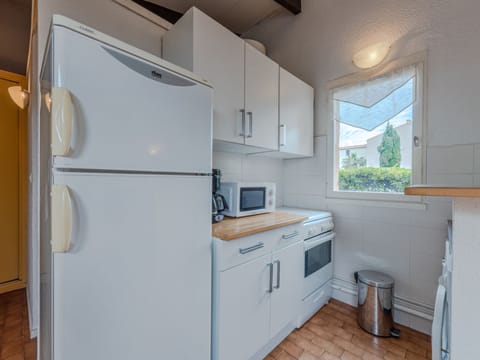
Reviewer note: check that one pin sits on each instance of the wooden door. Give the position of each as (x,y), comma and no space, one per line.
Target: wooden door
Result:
(12,186)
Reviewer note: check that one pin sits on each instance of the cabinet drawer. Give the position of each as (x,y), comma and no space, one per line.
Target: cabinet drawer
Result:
(288,235)
(229,253)
(234,252)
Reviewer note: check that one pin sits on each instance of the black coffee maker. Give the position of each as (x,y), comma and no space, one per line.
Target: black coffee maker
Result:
(218,201)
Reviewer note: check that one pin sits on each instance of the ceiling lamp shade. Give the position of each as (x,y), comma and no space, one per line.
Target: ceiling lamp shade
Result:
(19,96)
(371,56)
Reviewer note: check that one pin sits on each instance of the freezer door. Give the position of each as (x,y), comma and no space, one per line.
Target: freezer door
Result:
(116,111)
(135,282)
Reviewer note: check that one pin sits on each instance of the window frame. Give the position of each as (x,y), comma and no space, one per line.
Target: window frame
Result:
(419,60)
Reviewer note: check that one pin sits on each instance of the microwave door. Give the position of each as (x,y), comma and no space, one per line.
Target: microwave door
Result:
(252,198)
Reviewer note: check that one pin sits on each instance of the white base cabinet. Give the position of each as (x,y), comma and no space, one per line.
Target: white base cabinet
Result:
(258,300)
(288,275)
(243,309)
(465,275)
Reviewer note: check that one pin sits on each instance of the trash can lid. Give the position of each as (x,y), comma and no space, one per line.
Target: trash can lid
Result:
(375,278)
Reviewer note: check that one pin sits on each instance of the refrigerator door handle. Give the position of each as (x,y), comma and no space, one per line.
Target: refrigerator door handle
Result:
(62,121)
(61,218)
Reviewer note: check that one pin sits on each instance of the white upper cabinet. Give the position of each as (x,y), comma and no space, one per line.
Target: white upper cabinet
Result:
(245,82)
(202,45)
(296,116)
(261,99)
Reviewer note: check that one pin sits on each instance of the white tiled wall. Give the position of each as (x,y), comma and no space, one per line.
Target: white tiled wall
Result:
(319,48)
(405,243)
(240,167)
(452,164)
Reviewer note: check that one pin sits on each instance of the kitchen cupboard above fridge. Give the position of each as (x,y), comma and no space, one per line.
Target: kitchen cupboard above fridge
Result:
(252,112)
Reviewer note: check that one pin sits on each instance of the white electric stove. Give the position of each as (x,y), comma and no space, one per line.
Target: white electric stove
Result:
(318,260)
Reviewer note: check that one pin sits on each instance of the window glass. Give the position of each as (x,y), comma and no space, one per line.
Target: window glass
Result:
(374,127)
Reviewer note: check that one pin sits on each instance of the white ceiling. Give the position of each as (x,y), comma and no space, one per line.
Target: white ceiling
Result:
(237,15)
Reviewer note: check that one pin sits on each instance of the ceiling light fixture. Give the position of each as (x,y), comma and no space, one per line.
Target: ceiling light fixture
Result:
(19,96)
(371,56)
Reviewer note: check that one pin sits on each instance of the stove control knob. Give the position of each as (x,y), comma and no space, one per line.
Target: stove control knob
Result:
(310,232)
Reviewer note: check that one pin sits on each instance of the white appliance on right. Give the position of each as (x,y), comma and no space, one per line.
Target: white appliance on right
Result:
(442,314)
(318,261)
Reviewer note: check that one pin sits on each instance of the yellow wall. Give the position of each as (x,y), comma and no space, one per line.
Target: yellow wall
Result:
(12,152)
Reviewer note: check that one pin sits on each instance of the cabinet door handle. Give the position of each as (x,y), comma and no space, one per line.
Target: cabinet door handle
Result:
(242,132)
(249,249)
(289,236)
(278,274)
(283,134)
(250,124)
(270,285)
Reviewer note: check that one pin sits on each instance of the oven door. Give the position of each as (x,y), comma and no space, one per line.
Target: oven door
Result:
(318,262)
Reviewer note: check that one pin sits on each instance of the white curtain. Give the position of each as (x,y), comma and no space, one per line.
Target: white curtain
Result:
(371,103)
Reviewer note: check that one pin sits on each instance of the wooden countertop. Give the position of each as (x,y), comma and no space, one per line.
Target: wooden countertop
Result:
(453,191)
(234,228)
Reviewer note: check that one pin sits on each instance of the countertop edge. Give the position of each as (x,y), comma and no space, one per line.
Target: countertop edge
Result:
(296,219)
(443,191)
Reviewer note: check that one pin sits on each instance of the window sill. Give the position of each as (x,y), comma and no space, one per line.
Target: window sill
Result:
(398,201)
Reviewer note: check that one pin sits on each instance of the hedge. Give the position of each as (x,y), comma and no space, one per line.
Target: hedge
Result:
(384,179)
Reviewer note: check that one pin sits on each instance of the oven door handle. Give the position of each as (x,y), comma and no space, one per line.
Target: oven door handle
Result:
(320,239)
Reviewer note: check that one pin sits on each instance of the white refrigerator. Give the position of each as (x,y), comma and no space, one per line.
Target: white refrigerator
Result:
(125,264)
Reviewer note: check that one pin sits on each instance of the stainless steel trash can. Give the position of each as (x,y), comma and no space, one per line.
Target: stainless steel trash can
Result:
(375,303)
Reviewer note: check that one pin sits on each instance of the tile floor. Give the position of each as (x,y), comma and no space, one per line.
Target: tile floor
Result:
(333,334)
(15,342)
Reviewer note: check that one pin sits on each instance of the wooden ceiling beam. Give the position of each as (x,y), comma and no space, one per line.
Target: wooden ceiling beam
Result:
(294,6)
(165,13)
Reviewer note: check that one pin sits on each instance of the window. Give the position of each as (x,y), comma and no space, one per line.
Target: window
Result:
(377,128)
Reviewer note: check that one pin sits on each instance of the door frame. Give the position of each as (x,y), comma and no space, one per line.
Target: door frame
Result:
(21,282)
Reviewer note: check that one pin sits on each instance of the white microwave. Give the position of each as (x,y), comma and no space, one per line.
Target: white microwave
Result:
(246,198)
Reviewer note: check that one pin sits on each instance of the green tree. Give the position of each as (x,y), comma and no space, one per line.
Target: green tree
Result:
(393,179)
(389,148)
(353,161)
